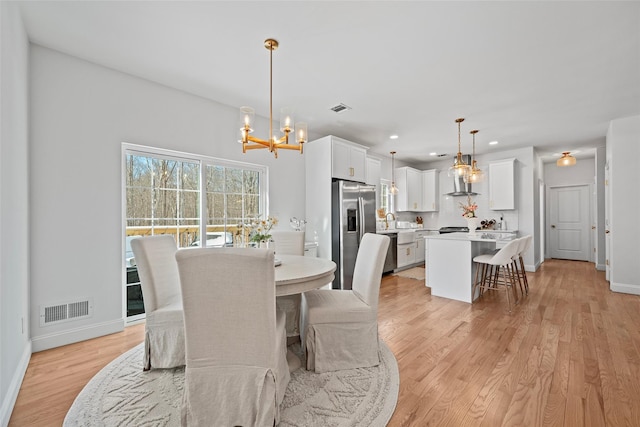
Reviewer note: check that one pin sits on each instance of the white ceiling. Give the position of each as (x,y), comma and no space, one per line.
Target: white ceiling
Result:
(544,74)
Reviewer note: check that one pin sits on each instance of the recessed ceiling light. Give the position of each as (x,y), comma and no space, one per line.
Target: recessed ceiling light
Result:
(433,154)
(393,137)
(493,142)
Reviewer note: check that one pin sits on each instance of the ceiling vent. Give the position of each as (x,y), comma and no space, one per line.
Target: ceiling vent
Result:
(340,108)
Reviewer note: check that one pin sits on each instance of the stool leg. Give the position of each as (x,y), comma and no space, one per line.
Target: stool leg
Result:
(524,275)
(506,286)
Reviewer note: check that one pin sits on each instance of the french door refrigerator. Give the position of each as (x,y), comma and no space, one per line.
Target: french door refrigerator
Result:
(353,207)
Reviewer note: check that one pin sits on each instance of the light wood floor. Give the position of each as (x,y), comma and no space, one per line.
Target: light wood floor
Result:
(568,355)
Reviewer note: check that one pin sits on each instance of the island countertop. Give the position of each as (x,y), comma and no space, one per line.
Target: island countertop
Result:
(480,236)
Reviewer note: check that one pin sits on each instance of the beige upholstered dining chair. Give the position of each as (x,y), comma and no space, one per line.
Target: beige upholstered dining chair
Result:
(164,327)
(340,327)
(236,372)
(289,243)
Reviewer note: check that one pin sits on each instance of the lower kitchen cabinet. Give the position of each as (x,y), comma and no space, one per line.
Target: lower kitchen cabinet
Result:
(420,254)
(406,254)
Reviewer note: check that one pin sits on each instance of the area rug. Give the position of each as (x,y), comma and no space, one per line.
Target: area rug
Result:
(412,273)
(121,394)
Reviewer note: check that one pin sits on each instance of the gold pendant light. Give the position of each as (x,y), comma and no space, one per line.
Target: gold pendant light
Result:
(459,168)
(566,160)
(394,189)
(286,120)
(475,175)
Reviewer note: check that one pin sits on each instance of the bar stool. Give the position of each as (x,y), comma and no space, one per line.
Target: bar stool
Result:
(492,265)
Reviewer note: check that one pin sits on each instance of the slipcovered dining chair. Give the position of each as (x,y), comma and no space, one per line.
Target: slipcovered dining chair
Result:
(160,283)
(289,243)
(340,327)
(236,372)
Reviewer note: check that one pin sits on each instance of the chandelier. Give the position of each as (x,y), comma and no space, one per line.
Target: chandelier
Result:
(459,168)
(566,160)
(474,175)
(286,121)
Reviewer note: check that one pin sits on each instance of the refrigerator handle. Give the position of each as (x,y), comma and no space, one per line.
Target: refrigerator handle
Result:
(360,219)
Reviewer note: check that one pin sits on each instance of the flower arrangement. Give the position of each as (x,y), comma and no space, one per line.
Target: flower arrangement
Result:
(260,229)
(469,210)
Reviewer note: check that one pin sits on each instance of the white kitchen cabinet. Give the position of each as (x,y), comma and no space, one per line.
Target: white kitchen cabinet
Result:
(430,190)
(373,176)
(406,254)
(409,183)
(349,160)
(502,185)
(419,252)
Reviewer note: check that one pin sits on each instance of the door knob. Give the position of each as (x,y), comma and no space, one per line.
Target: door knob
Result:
(606,231)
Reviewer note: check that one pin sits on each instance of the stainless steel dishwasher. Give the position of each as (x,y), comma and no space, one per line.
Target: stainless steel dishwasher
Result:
(391,262)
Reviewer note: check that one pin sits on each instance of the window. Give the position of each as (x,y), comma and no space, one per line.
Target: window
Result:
(164,195)
(385,196)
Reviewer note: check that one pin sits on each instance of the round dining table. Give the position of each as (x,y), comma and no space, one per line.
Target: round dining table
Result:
(296,274)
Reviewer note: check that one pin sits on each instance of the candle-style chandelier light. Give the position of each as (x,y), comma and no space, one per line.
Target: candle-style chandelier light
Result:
(286,121)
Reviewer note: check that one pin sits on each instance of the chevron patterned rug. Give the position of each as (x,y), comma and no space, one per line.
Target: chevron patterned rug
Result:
(121,394)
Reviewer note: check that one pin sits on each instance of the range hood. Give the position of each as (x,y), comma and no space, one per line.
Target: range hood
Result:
(460,188)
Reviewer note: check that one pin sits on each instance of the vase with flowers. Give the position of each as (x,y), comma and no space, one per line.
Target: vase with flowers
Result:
(469,213)
(261,230)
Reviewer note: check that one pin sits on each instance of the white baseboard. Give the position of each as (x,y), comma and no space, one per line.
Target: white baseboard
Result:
(531,268)
(71,336)
(9,400)
(601,267)
(624,288)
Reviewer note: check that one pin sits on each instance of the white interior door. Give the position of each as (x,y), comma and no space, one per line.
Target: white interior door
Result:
(569,222)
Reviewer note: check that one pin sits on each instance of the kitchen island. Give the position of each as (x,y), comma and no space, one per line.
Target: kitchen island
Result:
(449,262)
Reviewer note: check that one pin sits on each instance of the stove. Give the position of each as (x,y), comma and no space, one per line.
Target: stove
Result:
(445,230)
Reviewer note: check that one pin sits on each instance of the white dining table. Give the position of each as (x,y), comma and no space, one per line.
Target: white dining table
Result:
(296,274)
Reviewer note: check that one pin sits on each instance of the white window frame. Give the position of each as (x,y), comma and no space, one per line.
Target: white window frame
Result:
(204,162)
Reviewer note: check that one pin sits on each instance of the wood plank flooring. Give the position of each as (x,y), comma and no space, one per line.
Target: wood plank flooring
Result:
(568,355)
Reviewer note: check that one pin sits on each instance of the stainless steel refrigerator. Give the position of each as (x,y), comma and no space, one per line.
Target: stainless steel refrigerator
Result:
(353,213)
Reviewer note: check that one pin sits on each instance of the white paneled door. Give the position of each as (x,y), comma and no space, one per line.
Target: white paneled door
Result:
(569,222)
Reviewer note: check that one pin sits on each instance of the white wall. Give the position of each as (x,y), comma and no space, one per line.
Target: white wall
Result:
(80,115)
(623,152)
(583,172)
(15,349)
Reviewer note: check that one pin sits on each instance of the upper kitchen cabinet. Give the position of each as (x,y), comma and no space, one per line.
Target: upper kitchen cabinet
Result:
(409,183)
(430,190)
(349,160)
(502,185)
(373,174)
(373,171)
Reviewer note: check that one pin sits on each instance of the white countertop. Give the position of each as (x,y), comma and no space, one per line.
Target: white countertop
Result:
(478,237)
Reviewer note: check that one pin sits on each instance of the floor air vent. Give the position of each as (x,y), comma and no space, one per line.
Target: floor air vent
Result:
(66,311)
